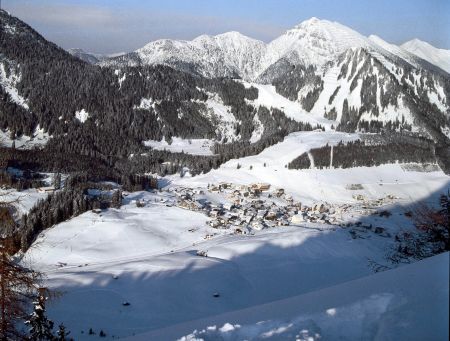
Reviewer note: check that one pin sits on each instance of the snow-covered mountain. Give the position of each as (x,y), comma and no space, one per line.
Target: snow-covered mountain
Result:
(424,50)
(226,55)
(314,42)
(92,58)
(319,72)
(335,72)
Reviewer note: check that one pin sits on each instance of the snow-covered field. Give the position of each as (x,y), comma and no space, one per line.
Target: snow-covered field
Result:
(400,304)
(147,257)
(23,200)
(178,145)
(39,139)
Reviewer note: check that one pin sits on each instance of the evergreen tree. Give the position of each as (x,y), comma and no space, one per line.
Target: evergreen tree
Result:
(57,181)
(116,200)
(62,334)
(41,328)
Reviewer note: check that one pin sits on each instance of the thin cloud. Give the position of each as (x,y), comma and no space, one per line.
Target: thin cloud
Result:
(100,29)
(65,15)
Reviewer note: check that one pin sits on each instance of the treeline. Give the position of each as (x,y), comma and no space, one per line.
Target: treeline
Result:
(93,169)
(359,154)
(299,77)
(20,182)
(276,127)
(74,199)
(55,209)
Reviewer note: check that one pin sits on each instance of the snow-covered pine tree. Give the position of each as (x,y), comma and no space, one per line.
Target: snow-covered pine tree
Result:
(62,334)
(41,328)
(116,200)
(57,181)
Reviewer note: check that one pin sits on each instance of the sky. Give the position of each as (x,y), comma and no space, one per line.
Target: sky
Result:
(109,26)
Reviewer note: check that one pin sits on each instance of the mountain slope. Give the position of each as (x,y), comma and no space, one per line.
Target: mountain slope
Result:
(92,58)
(396,304)
(328,73)
(424,50)
(85,56)
(322,65)
(106,114)
(314,42)
(226,55)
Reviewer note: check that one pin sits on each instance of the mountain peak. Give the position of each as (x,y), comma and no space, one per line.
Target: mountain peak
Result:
(231,36)
(426,51)
(417,43)
(312,20)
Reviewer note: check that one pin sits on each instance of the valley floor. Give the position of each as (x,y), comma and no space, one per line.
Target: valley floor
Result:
(135,271)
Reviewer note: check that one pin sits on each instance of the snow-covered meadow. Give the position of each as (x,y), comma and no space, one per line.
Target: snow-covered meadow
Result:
(400,304)
(178,145)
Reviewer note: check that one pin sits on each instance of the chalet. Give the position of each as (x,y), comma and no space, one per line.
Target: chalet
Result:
(214,224)
(224,185)
(359,197)
(190,205)
(297,219)
(279,192)
(261,186)
(271,215)
(257,225)
(255,192)
(214,213)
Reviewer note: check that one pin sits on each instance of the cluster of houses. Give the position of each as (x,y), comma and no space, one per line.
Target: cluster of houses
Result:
(244,208)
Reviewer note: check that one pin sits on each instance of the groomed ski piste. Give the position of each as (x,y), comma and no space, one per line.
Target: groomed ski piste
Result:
(135,272)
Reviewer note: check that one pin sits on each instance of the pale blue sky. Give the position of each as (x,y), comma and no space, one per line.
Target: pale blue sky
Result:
(107,26)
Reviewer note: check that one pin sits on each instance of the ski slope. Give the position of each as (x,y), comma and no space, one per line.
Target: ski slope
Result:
(311,185)
(268,97)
